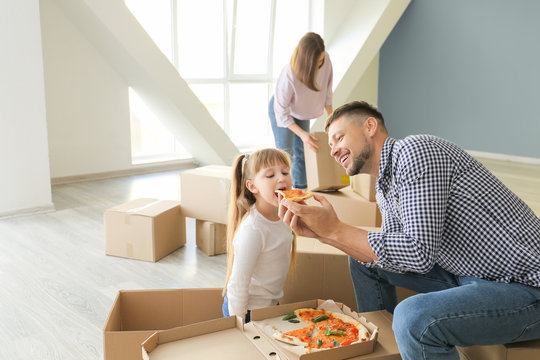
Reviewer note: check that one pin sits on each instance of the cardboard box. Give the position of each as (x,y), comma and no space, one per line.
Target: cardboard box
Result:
(364,185)
(144,229)
(526,350)
(204,193)
(228,338)
(211,237)
(137,314)
(322,171)
(316,269)
(354,209)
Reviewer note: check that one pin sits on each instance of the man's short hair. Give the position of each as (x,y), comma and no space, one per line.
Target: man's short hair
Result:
(355,108)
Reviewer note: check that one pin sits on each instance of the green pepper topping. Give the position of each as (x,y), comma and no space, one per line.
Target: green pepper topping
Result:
(319,318)
(337,333)
(289,317)
(327,331)
(319,342)
(294,321)
(340,329)
(336,344)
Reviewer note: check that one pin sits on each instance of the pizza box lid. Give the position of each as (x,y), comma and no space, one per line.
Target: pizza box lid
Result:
(226,338)
(259,315)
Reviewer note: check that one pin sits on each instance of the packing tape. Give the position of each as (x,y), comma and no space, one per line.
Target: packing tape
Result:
(137,209)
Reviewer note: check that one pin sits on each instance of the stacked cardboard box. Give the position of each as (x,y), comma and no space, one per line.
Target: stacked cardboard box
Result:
(354,204)
(204,193)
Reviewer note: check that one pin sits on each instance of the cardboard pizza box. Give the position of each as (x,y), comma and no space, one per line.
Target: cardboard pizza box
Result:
(225,339)
(229,338)
(137,314)
(354,209)
(364,185)
(211,237)
(204,193)
(322,171)
(144,229)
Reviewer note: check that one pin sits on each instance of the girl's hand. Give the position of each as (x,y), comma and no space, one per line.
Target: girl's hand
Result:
(310,140)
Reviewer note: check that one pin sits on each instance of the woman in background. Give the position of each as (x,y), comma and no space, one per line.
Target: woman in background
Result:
(303,92)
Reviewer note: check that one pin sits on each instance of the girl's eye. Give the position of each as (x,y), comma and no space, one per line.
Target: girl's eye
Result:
(285,173)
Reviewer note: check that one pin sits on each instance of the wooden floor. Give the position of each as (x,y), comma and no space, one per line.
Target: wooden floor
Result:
(58,285)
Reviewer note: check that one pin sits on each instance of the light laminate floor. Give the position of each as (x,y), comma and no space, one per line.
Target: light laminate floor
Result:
(58,285)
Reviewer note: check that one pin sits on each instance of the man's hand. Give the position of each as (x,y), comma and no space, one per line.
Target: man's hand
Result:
(306,220)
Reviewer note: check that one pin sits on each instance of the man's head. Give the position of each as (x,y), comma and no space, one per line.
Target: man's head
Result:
(356,133)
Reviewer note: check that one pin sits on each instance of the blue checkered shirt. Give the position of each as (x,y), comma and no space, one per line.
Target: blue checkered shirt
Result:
(441,206)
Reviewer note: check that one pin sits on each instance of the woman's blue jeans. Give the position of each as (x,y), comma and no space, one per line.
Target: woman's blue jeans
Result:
(449,311)
(290,142)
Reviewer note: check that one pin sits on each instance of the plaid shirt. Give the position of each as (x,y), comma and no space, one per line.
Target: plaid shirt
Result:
(441,206)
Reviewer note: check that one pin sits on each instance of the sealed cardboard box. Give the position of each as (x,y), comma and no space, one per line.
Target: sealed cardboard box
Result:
(211,237)
(320,271)
(322,171)
(364,185)
(526,350)
(137,314)
(229,338)
(204,193)
(354,209)
(144,229)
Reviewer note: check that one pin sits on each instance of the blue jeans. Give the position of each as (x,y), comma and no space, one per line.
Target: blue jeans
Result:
(225,310)
(290,142)
(449,311)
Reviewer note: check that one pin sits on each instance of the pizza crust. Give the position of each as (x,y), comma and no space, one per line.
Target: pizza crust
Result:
(291,340)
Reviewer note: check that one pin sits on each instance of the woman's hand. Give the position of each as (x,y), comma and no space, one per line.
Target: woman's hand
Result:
(310,140)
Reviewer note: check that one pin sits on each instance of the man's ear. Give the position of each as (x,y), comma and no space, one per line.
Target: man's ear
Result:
(371,125)
(251,187)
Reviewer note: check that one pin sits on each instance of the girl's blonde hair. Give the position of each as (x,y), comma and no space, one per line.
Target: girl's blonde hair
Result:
(305,59)
(241,199)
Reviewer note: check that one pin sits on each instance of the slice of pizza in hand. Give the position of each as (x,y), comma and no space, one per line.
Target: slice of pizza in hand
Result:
(295,194)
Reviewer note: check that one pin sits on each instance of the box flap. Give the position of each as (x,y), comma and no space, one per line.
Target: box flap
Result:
(225,338)
(210,170)
(145,207)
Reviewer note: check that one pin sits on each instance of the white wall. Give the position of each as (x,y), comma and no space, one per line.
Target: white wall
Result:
(25,180)
(87,102)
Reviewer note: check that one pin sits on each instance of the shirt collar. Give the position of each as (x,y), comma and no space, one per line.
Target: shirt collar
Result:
(384,164)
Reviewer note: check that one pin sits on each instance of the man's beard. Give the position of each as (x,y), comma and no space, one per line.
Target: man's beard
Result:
(360,161)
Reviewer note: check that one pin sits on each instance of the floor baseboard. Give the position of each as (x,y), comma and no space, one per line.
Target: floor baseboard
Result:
(138,170)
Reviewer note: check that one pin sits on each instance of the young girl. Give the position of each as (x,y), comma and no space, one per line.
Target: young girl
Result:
(260,246)
(303,92)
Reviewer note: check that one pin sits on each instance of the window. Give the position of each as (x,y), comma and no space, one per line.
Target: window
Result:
(229,52)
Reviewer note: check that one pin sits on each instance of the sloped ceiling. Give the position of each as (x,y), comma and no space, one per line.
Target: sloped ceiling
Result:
(113,30)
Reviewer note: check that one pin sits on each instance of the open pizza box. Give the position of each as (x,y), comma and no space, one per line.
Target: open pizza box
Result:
(229,338)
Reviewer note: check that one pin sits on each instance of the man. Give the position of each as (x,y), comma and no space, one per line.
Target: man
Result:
(451,231)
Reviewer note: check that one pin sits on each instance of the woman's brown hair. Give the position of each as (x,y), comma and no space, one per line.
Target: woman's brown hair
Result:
(305,59)
(241,199)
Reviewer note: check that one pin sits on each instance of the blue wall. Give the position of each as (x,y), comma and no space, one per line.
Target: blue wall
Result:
(467,71)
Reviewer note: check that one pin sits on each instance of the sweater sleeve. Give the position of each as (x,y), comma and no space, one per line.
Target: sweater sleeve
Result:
(283,98)
(248,244)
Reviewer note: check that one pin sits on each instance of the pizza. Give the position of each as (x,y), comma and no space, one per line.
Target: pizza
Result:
(324,330)
(295,194)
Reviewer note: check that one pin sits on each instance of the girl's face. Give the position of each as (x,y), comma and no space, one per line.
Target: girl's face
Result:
(266,181)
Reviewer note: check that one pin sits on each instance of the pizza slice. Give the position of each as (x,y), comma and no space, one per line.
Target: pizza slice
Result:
(295,194)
